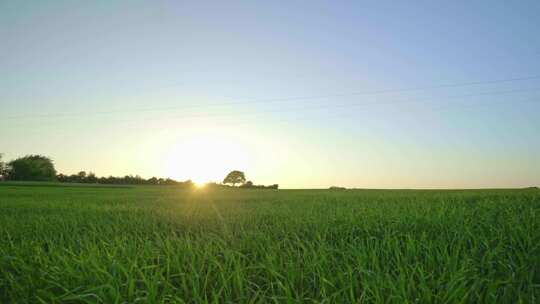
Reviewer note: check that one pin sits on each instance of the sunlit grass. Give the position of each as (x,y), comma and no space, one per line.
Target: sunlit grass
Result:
(160,244)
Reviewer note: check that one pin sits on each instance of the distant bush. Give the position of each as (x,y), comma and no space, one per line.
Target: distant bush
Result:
(250,185)
(337,188)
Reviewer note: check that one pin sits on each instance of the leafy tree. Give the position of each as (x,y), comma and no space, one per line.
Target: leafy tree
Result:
(2,168)
(62,178)
(235,177)
(91,178)
(81,175)
(32,168)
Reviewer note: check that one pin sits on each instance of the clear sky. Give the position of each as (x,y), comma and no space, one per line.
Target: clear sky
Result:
(378,94)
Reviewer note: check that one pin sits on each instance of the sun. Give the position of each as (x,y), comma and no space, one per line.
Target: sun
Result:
(204,159)
(199,185)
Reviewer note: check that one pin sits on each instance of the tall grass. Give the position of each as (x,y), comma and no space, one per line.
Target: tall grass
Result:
(164,245)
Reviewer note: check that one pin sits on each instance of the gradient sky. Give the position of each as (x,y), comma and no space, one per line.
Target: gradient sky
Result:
(301,93)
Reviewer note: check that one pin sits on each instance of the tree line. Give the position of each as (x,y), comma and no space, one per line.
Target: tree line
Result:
(41,168)
(90,178)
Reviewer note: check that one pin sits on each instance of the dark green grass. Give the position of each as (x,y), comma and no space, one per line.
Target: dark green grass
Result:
(165,245)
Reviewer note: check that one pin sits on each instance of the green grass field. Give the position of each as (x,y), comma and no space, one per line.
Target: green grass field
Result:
(165,245)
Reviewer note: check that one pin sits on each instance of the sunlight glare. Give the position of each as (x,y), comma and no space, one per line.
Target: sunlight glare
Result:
(199,185)
(205,158)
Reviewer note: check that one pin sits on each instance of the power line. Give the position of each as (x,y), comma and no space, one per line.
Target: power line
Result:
(387,91)
(437,109)
(318,107)
(253,101)
(345,105)
(288,121)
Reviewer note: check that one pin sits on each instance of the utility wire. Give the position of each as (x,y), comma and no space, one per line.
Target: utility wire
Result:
(230,123)
(345,105)
(318,107)
(253,101)
(434,109)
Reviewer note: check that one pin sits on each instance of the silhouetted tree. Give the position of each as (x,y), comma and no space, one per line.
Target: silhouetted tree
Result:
(81,175)
(91,178)
(32,168)
(235,177)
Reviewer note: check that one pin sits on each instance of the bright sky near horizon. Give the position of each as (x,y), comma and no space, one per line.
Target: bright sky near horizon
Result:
(307,94)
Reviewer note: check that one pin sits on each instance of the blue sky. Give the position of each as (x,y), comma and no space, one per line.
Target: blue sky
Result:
(289,92)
